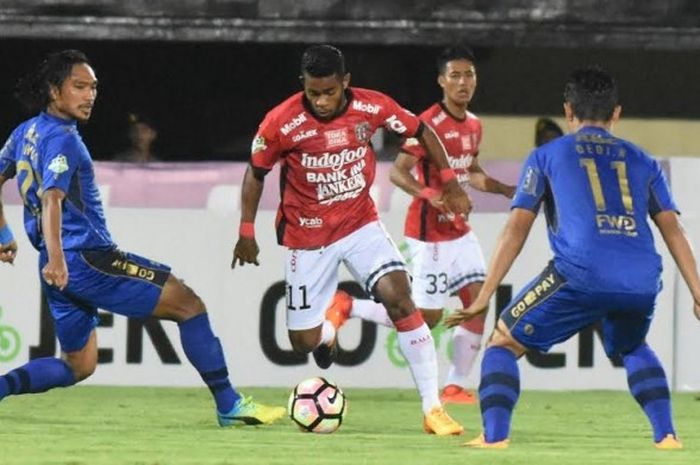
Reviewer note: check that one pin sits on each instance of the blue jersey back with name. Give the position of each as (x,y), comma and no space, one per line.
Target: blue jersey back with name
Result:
(598,192)
(47,152)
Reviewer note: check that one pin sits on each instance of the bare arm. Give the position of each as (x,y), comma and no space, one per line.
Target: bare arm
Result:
(8,250)
(456,200)
(55,272)
(509,245)
(677,242)
(246,249)
(481,181)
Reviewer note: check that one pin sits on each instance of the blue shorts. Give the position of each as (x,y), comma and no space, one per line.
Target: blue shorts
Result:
(116,281)
(548,311)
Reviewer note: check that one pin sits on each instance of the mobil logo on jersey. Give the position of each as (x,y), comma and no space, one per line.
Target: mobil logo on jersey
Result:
(289,126)
(366,107)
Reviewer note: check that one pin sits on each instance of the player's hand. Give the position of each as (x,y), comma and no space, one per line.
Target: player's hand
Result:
(245,251)
(55,272)
(466,314)
(8,252)
(456,200)
(509,191)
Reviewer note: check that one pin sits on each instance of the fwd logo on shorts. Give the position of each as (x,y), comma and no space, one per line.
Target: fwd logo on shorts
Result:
(310,222)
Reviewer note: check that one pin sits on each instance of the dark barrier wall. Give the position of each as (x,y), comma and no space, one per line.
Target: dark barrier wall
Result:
(207,99)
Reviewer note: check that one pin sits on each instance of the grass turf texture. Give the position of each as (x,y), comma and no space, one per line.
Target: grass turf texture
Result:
(163,426)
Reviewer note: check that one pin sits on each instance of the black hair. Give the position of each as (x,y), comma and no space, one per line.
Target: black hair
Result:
(322,61)
(546,130)
(455,52)
(32,90)
(592,94)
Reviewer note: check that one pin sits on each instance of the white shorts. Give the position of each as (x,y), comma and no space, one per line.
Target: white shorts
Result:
(440,269)
(312,275)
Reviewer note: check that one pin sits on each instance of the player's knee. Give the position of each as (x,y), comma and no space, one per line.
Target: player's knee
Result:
(304,342)
(399,306)
(82,368)
(432,317)
(475,325)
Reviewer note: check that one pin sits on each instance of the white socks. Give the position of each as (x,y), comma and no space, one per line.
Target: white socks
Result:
(327,333)
(370,310)
(465,348)
(418,349)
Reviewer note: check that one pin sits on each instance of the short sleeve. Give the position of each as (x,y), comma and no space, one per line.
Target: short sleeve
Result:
(266,150)
(59,160)
(8,167)
(531,186)
(412,146)
(660,198)
(399,120)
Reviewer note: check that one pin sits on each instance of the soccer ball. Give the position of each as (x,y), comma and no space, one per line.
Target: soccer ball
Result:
(317,405)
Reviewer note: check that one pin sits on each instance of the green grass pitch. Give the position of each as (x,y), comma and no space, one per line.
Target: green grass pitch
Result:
(163,426)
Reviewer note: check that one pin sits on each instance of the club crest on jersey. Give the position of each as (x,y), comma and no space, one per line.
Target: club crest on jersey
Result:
(58,165)
(336,138)
(258,144)
(362,132)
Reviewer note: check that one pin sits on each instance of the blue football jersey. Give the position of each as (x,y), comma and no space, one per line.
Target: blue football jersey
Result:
(47,152)
(598,192)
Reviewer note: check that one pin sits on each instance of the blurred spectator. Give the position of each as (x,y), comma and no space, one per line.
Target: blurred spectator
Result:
(142,134)
(545,130)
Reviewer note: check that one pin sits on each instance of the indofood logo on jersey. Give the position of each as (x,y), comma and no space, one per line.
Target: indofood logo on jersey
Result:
(293,124)
(335,161)
(342,183)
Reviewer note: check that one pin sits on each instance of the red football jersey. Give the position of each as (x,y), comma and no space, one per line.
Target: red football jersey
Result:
(327,166)
(461,138)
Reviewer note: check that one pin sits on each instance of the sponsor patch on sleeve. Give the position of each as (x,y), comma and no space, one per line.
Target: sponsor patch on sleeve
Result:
(59,164)
(259,144)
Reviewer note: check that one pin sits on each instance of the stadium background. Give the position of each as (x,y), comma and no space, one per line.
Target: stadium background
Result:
(206,71)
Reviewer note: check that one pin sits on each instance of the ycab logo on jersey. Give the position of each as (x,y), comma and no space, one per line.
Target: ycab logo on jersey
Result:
(289,126)
(365,107)
(315,222)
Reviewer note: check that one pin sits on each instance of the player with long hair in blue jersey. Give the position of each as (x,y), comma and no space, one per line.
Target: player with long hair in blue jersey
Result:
(598,192)
(81,267)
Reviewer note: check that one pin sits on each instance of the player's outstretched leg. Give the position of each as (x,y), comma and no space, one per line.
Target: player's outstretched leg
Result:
(498,392)
(337,314)
(648,384)
(204,352)
(39,375)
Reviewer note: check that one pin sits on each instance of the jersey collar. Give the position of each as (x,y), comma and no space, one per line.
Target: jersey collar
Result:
(56,119)
(451,115)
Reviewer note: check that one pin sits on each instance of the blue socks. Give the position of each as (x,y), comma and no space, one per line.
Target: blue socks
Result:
(498,392)
(38,375)
(647,382)
(204,351)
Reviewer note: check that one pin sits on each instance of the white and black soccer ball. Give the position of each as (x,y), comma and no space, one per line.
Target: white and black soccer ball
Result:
(317,405)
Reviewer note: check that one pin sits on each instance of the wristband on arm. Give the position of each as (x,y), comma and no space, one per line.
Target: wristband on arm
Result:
(447,175)
(247,229)
(6,235)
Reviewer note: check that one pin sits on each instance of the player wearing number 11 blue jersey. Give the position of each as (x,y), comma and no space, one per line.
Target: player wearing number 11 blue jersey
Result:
(597,192)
